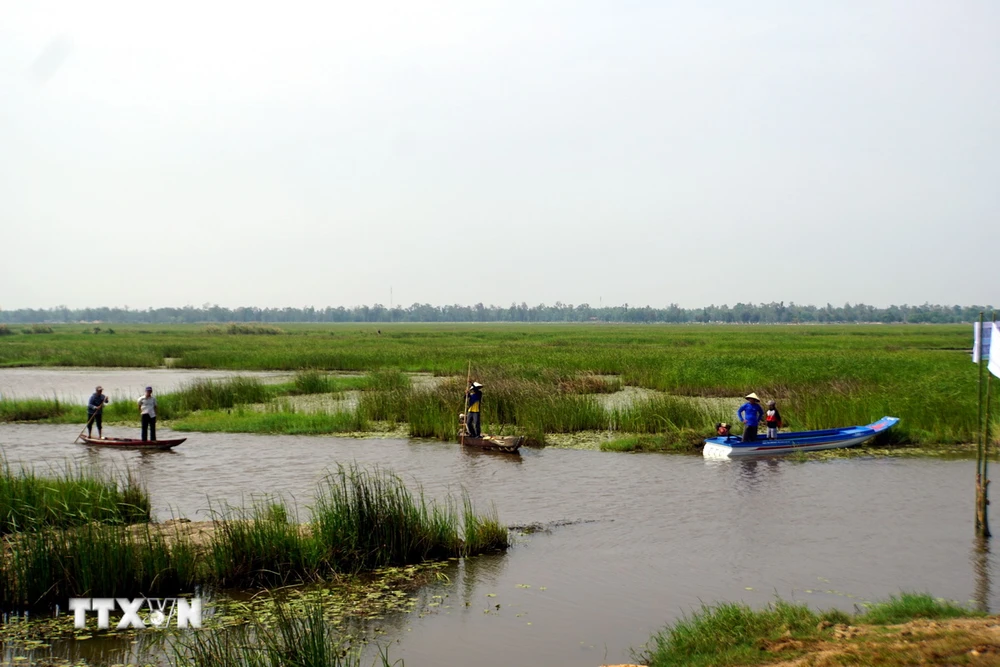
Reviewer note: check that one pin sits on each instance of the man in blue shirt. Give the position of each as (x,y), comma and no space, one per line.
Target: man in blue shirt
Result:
(750,413)
(95,406)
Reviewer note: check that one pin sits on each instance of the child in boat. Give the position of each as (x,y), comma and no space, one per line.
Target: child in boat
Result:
(773,420)
(462,429)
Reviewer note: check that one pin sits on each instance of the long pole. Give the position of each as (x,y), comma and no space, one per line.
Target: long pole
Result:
(99,408)
(986,441)
(979,429)
(465,426)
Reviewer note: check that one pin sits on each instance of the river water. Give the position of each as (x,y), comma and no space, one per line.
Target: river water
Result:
(632,541)
(77,384)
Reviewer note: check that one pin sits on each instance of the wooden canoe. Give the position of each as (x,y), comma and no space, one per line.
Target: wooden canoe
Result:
(510,443)
(132,443)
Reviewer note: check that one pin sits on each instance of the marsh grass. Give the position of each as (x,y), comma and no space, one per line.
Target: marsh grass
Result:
(736,634)
(678,442)
(259,547)
(276,418)
(40,410)
(369,519)
(74,497)
(822,376)
(361,520)
(45,567)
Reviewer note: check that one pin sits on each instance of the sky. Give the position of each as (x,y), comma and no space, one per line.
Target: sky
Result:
(628,151)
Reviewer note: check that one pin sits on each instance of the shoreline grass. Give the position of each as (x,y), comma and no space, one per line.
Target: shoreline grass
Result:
(735,634)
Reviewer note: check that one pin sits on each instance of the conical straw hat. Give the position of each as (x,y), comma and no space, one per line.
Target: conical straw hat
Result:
(753,396)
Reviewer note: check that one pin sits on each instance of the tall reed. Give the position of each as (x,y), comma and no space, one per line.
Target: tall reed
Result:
(45,567)
(71,498)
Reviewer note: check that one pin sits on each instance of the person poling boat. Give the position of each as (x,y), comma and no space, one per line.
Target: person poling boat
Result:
(474,398)
(95,409)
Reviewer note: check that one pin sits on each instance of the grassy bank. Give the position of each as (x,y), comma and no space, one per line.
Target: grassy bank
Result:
(361,520)
(74,497)
(735,634)
(547,379)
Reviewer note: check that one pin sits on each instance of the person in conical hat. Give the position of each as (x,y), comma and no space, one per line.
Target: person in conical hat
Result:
(750,413)
(472,417)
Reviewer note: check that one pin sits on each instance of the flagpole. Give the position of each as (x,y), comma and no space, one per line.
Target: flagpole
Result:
(986,436)
(978,355)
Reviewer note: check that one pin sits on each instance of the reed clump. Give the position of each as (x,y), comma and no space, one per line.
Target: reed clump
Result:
(72,498)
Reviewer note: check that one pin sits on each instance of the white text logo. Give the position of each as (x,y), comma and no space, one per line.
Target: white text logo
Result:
(159,612)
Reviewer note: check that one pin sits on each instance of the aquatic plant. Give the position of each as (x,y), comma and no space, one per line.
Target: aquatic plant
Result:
(300,637)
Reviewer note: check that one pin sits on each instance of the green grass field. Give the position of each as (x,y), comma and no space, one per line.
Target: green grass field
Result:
(544,379)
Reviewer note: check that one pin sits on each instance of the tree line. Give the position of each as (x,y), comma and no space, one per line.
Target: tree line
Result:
(741,313)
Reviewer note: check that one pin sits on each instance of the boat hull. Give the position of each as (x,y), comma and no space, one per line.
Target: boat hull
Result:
(490,443)
(130,443)
(803,441)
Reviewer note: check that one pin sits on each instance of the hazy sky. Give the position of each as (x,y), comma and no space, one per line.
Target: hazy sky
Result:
(639,151)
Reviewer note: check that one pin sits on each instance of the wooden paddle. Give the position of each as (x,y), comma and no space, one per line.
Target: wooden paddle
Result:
(100,407)
(465,426)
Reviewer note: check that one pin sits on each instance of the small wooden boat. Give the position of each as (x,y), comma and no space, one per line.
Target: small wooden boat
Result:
(510,443)
(131,443)
(731,446)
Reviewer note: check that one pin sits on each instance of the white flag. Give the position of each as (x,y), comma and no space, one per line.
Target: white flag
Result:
(983,337)
(994,365)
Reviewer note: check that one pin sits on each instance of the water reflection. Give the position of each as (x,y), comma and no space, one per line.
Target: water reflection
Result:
(980,558)
(754,474)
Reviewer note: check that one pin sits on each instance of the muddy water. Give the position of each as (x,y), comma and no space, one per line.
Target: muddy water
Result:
(77,384)
(633,540)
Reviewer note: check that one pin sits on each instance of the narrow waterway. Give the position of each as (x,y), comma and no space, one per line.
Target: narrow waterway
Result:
(629,541)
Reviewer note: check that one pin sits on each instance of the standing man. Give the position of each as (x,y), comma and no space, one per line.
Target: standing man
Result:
(95,408)
(475,394)
(147,411)
(750,413)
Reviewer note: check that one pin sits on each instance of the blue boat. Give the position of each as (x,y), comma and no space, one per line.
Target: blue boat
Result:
(731,446)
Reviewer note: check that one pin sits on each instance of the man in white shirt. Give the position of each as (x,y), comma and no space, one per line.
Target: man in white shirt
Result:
(147,412)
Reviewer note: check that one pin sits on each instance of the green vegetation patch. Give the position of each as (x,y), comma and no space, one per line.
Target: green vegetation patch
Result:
(74,497)
(736,634)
